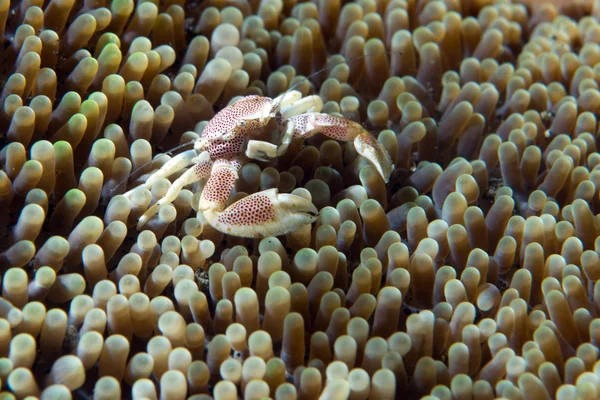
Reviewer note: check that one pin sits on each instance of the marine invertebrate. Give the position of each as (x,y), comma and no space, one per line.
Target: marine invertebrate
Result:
(226,144)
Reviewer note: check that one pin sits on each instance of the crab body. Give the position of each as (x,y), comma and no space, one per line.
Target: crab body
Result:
(226,144)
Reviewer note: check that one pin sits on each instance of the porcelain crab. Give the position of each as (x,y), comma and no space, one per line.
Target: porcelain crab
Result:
(225,145)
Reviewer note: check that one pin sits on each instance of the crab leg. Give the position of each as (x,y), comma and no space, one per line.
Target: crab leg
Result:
(198,172)
(306,125)
(175,164)
(262,214)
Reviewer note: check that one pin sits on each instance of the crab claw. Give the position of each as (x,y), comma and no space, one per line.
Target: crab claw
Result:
(368,147)
(338,128)
(263,214)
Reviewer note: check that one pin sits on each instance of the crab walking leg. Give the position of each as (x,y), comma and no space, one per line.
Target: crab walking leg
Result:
(175,164)
(338,128)
(198,172)
(262,214)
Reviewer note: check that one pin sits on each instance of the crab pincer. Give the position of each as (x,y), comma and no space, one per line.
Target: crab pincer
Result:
(343,129)
(263,214)
(266,213)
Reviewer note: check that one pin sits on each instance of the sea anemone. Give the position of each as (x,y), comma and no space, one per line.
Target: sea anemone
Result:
(473,273)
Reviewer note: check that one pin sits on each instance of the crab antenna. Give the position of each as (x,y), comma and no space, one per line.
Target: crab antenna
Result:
(168,152)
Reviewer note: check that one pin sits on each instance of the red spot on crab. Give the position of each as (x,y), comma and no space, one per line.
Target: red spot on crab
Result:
(230,117)
(219,186)
(252,210)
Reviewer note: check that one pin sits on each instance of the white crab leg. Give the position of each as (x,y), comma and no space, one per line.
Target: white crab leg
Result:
(198,172)
(262,214)
(343,129)
(175,164)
